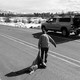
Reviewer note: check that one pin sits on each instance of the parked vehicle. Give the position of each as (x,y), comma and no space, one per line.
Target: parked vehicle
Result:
(66,25)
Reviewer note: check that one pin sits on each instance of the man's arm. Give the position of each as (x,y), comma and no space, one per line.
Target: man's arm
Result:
(39,43)
(52,41)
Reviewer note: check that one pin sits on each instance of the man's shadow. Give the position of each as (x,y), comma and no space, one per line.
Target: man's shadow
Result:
(27,70)
(20,72)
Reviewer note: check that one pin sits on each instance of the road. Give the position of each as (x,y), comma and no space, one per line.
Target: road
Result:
(18,49)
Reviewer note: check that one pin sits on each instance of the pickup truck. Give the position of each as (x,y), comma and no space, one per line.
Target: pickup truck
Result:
(66,25)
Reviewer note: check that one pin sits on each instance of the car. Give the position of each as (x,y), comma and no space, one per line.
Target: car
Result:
(66,25)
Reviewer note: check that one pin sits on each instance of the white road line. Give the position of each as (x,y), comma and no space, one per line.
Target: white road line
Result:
(18,40)
(57,55)
(65,60)
(65,57)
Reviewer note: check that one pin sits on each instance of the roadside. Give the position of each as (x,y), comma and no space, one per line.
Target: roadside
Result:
(22,25)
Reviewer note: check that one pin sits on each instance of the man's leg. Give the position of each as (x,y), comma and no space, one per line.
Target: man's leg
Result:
(46,54)
(42,53)
(42,56)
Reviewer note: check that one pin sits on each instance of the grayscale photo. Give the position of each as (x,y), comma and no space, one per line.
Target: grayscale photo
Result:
(39,39)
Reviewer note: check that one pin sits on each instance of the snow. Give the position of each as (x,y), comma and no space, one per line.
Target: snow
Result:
(22,25)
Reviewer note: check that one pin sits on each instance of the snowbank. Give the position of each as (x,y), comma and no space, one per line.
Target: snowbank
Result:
(22,25)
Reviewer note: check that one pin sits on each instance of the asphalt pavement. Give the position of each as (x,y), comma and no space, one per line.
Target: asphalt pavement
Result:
(18,49)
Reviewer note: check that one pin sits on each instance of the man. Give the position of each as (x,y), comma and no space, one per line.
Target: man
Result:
(43,44)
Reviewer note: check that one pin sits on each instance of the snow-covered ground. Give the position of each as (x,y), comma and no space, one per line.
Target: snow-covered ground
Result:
(23,22)
(22,25)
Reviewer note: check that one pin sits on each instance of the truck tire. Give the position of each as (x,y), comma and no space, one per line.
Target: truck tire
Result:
(77,32)
(65,32)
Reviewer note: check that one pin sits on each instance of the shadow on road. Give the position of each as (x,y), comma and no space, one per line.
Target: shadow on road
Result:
(20,72)
(58,37)
(34,66)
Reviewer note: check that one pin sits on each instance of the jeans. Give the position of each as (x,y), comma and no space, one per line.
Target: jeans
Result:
(44,51)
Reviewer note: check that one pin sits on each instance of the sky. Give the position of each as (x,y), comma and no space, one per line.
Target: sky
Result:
(34,6)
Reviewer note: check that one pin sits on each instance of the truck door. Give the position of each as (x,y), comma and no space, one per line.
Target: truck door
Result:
(53,24)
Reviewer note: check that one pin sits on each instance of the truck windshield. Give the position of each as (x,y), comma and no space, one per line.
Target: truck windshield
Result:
(51,20)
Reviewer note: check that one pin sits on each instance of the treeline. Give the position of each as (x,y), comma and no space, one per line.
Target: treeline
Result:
(37,14)
(26,15)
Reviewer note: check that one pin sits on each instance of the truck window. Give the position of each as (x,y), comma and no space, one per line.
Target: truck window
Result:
(51,20)
(76,21)
(64,19)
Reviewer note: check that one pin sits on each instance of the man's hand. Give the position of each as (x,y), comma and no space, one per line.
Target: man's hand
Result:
(55,45)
